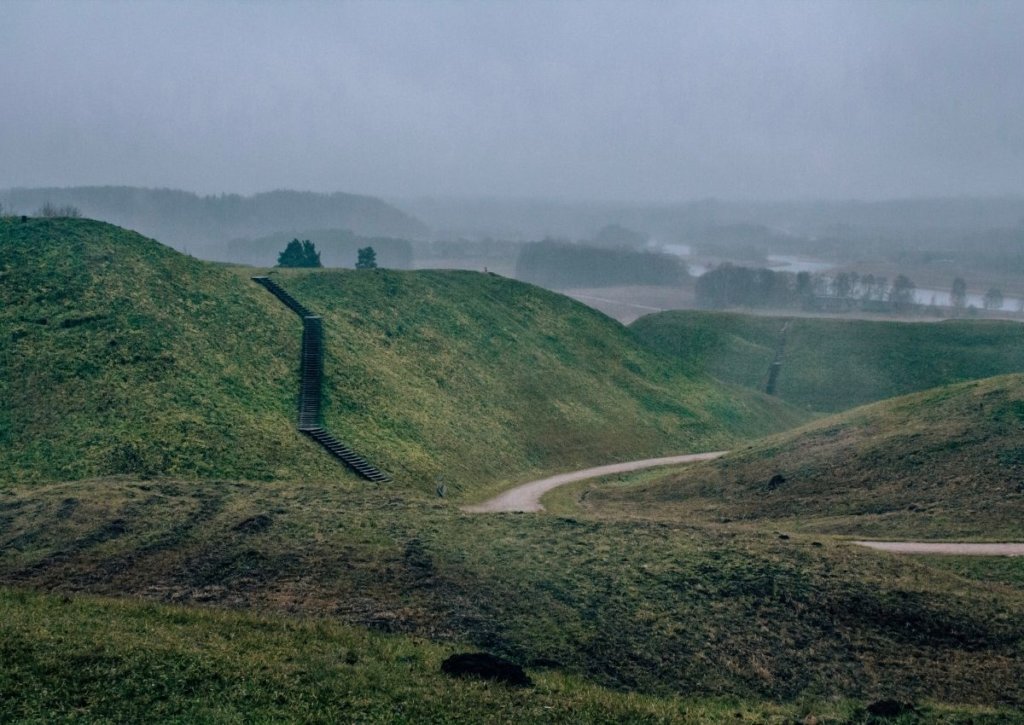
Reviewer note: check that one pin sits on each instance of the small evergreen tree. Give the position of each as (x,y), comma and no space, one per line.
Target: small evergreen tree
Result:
(367,259)
(299,254)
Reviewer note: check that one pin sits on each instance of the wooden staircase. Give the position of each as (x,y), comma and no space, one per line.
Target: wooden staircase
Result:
(310,383)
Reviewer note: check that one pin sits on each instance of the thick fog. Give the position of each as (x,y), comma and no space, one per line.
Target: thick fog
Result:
(604,101)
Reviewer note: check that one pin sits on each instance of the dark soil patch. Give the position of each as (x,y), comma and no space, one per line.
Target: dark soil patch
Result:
(487,667)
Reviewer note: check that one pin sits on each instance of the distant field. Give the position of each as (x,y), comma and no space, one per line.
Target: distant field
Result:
(627,303)
(835,364)
(947,463)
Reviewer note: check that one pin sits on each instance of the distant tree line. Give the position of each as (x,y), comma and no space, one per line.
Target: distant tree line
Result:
(181,217)
(735,286)
(553,263)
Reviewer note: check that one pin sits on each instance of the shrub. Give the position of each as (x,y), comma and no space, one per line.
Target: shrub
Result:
(299,254)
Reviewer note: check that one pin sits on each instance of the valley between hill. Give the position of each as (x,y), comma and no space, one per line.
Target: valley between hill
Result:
(150,459)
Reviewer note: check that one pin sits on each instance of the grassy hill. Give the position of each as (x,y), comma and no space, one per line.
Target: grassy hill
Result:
(830,364)
(125,357)
(122,356)
(945,463)
(477,378)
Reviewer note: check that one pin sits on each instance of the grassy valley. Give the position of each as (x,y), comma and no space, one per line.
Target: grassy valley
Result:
(834,364)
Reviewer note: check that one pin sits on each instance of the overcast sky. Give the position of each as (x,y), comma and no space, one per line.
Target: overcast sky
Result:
(571,100)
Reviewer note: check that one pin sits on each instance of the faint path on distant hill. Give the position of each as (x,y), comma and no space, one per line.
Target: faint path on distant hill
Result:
(921,547)
(527,496)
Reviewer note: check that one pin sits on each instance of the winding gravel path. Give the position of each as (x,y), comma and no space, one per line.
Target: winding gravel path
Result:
(527,496)
(921,547)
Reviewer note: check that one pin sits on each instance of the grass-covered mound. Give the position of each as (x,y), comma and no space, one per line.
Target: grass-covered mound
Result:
(122,356)
(833,364)
(658,607)
(945,463)
(477,378)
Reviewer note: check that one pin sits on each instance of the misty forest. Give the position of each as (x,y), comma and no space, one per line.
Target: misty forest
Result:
(512,362)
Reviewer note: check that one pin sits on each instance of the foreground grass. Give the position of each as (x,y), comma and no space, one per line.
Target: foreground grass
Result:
(833,364)
(88,658)
(664,608)
(943,464)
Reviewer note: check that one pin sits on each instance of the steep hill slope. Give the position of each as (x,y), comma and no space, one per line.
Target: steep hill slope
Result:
(122,356)
(476,378)
(945,463)
(832,365)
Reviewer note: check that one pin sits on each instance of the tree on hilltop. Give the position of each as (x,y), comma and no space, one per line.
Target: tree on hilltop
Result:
(299,254)
(367,259)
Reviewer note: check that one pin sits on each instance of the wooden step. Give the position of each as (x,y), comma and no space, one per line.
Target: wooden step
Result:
(310,383)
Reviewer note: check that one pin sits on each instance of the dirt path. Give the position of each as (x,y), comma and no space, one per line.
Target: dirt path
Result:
(920,547)
(527,496)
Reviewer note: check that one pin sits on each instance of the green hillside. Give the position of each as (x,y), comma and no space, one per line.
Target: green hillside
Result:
(124,356)
(832,364)
(478,378)
(945,463)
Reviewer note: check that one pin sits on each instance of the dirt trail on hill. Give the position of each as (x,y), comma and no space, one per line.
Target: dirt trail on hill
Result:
(921,547)
(527,496)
